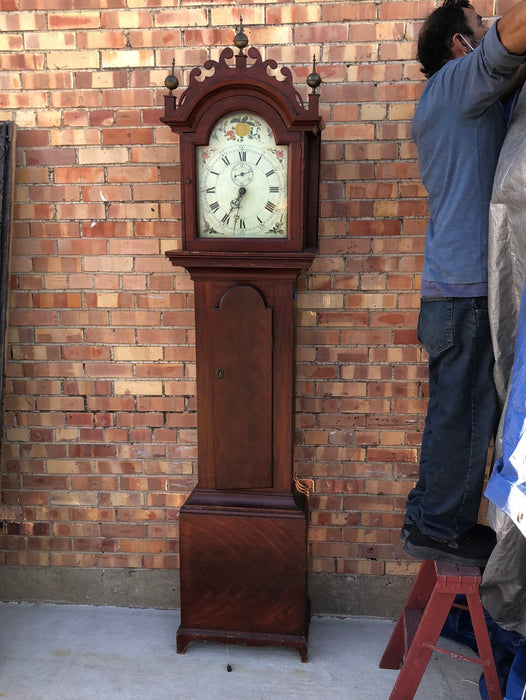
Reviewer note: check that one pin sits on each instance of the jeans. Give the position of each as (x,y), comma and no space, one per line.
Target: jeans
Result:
(462,416)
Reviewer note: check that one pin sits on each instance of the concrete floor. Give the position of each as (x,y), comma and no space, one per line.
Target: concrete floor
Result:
(76,652)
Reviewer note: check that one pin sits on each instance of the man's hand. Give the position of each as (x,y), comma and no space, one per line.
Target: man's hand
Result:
(511,29)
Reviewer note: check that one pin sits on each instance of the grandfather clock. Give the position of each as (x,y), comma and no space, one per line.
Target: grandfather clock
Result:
(250,154)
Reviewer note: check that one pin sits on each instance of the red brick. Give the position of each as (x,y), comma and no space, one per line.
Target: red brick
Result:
(54,156)
(127,136)
(79,175)
(74,20)
(101,40)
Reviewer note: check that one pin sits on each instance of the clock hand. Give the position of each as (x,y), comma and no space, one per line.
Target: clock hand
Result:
(236,203)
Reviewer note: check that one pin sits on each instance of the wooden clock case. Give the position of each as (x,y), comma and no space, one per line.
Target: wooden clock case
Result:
(243,530)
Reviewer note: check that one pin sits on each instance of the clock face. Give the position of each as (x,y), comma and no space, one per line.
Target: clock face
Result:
(242,175)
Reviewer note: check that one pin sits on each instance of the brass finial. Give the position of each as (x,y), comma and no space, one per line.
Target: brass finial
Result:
(171,82)
(240,39)
(313,79)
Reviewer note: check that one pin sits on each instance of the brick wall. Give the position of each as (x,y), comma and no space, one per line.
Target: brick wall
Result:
(99,419)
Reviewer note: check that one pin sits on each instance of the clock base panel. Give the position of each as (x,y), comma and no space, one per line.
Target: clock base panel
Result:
(244,575)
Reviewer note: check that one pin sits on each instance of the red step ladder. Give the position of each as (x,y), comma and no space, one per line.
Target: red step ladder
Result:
(421,621)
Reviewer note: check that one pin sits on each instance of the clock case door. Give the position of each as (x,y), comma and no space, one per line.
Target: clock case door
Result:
(239,415)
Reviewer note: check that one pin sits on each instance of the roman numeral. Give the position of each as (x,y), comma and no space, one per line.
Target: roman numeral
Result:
(270,206)
(211,190)
(270,172)
(274,189)
(214,206)
(225,160)
(226,219)
(242,156)
(242,223)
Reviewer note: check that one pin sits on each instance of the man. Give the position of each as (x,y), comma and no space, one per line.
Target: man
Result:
(459,126)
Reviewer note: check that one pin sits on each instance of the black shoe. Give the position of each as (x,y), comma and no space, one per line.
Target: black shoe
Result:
(471,549)
(404,532)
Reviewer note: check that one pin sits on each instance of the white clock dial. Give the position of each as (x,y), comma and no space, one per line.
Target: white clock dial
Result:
(242,180)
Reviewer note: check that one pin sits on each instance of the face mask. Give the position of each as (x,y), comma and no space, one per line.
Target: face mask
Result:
(467,42)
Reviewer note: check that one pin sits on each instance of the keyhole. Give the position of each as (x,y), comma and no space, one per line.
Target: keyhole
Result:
(220,373)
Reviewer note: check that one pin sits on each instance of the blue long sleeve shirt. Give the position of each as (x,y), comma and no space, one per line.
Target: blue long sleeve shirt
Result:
(459,126)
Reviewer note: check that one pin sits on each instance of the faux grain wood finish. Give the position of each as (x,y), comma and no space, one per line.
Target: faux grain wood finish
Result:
(242,410)
(243,577)
(268,281)
(243,531)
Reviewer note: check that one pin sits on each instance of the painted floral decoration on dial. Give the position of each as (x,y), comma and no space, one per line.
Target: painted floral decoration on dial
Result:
(242,175)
